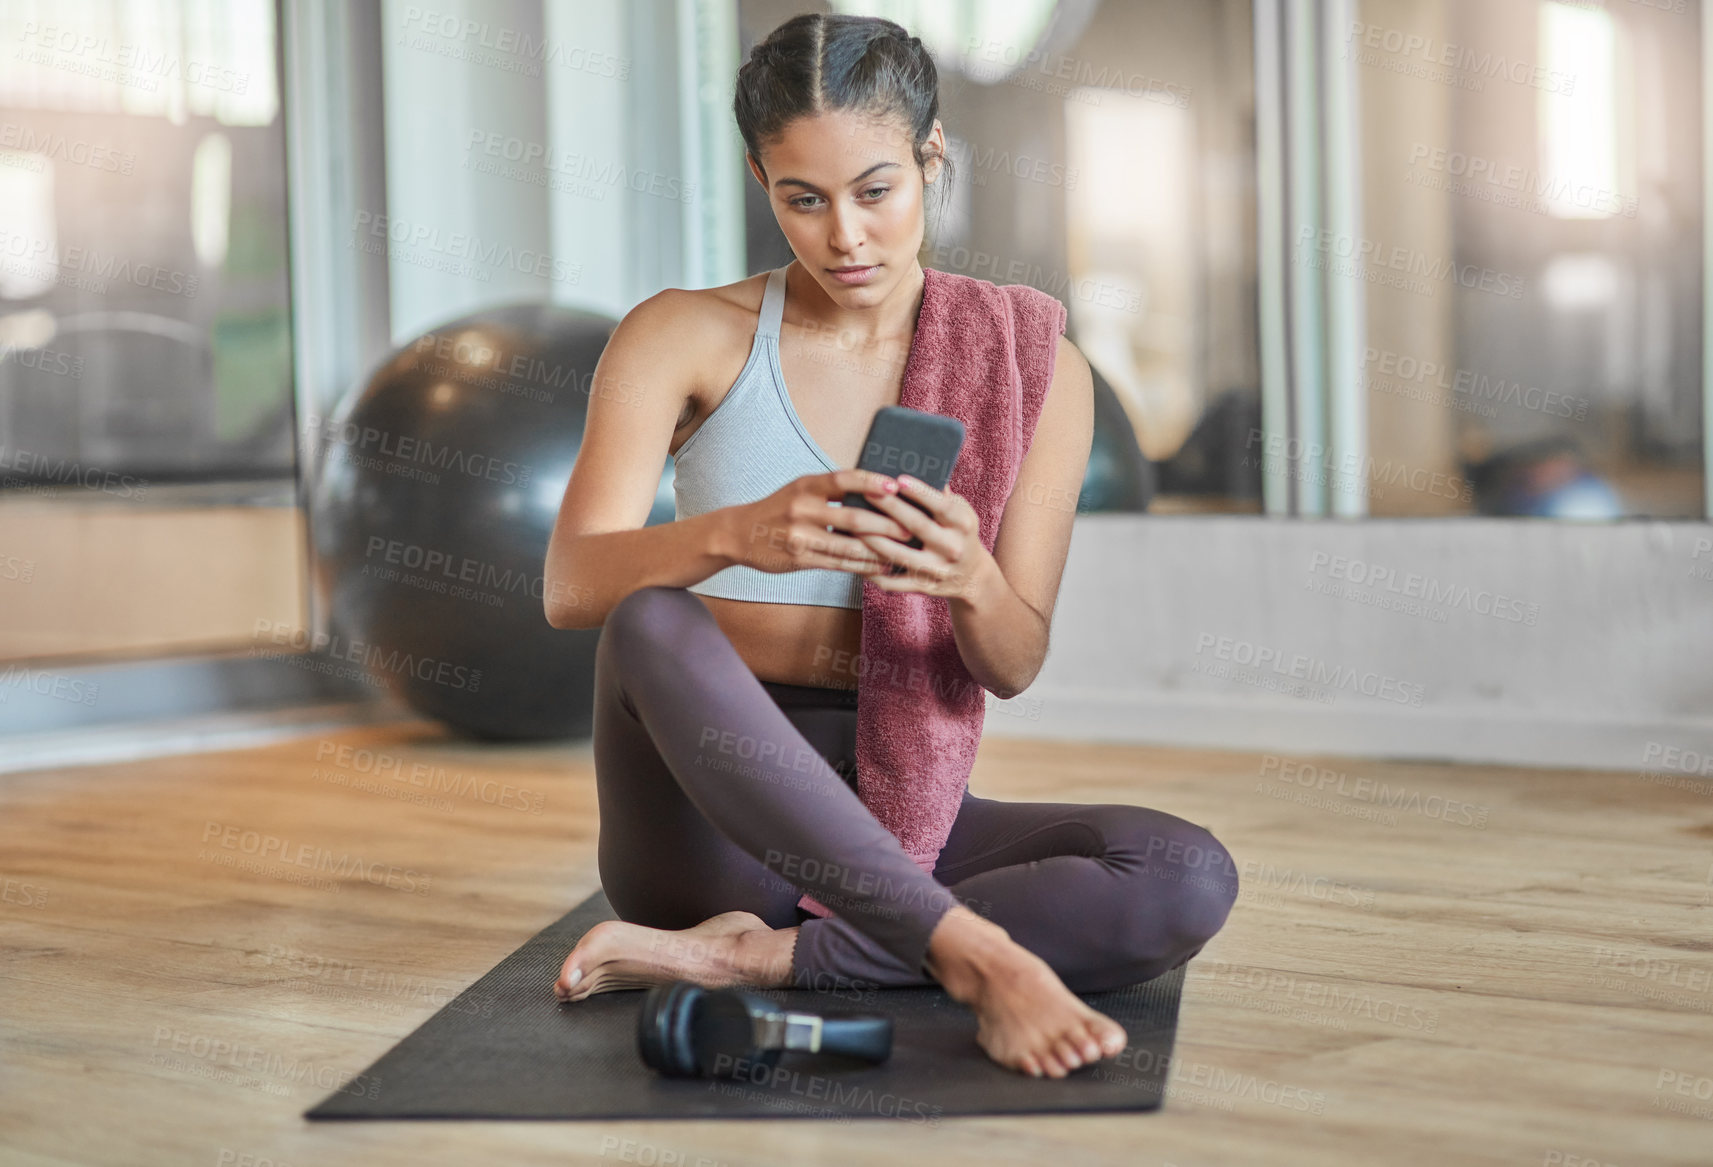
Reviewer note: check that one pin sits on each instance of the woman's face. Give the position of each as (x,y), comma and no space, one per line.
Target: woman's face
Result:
(846,192)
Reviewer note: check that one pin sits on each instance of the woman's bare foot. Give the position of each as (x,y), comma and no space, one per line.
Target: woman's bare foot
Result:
(1028,1020)
(732,948)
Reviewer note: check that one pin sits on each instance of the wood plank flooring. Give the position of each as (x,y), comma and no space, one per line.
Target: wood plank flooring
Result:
(1472,966)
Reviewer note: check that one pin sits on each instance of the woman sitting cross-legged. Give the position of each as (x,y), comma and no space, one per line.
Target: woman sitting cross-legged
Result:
(740,842)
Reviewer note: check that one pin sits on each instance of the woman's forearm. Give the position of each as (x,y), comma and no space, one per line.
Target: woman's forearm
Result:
(1002,640)
(587,575)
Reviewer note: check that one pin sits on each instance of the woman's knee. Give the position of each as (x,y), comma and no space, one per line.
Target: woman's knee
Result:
(650,611)
(647,620)
(1186,874)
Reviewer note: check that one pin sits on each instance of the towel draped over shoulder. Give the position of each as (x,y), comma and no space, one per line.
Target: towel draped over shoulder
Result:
(984,354)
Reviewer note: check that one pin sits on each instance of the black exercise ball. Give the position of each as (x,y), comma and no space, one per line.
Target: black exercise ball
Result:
(439,483)
(1119,477)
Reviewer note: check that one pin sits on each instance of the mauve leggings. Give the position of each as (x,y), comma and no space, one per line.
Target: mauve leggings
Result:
(721,792)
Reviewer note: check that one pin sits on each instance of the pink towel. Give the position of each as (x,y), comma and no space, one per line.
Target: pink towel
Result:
(983,354)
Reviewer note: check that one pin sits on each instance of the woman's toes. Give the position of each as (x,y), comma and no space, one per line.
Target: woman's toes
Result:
(1067,1054)
(1050,1063)
(569,976)
(1031,1065)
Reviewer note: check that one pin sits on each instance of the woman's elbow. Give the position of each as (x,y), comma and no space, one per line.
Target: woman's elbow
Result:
(551,611)
(565,605)
(1012,686)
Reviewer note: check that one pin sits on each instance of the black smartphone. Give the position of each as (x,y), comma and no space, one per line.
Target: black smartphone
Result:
(909,441)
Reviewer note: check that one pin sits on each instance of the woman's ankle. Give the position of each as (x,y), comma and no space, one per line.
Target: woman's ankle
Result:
(964,949)
(766,958)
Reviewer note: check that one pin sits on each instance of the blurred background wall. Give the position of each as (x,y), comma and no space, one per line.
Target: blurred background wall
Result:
(1397,305)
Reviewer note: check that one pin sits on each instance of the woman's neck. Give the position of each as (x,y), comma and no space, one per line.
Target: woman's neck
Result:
(892,321)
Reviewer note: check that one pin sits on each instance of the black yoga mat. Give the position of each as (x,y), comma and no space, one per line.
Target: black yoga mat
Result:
(506,1048)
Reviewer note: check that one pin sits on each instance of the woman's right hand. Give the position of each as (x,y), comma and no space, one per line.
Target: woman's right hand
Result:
(788,530)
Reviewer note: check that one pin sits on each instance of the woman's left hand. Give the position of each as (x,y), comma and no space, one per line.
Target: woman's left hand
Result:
(951,551)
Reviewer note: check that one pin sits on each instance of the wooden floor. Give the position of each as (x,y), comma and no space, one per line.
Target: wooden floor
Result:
(1515,968)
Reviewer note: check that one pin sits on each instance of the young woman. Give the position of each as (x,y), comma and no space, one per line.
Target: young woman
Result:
(730,639)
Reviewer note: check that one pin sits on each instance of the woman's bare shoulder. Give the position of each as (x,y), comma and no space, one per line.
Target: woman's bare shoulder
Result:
(704,332)
(702,313)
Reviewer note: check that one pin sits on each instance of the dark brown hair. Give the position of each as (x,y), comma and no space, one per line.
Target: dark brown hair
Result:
(814,63)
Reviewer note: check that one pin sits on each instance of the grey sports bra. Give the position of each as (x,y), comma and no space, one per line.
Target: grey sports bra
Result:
(750,446)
